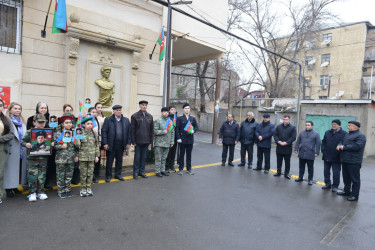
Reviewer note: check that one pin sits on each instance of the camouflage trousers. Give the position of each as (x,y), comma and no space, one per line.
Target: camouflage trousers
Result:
(86,169)
(36,174)
(161,154)
(64,174)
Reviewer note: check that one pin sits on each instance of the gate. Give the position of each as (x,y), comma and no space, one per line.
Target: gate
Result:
(323,122)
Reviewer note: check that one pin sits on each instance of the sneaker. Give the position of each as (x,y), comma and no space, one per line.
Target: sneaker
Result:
(83,193)
(180,172)
(89,192)
(62,195)
(190,172)
(43,196)
(173,170)
(69,194)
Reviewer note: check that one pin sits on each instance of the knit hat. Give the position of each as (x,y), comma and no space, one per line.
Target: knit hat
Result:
(355,123)
(337,121)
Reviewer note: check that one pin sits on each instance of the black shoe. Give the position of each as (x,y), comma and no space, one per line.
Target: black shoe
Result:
(310,182)
(298,180)
(135,177)
(352,198)
(266,171)
(119,178)
(334,189)
(326,187)
(159,175)
(257,168)
(223,164)
(249,166)
(164,173)
(94,180)
(16,191)
(343,193)
(10,193)
(143,175)
(230,164)
(107,179)
(241,165)
(277,174)
(48,187)
(74,182)
(287,176)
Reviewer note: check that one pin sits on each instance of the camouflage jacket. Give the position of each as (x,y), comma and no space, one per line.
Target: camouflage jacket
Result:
(64,155)
(27,139)
(89,148)
(161,139)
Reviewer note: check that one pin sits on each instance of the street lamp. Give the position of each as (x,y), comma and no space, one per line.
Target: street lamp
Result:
(168,56)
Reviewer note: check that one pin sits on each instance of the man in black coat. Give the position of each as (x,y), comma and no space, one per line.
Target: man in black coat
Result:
(116,138)
(264,133)
(331,156)
(142,137)
(229,134)
(285,135)
(185,128)
(169,163)
(247,139)
(351,156)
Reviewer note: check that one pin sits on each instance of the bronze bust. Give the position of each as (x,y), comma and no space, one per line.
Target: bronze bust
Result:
(106,87)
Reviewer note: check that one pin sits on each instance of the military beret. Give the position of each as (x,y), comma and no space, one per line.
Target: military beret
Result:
(143,101)
(117,107)
(337,121)
(266,115)
(185,105)
(65,117)
(164,109)
(355,123)
(41,133)
(89,118)
(40,118)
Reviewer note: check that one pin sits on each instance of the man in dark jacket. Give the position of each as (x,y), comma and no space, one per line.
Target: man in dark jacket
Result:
(247,139)
(285,135)
(185,128)
(116,138)
(229,135)
(264,133)
(307,148)
(331,156)
(169,164)
(351,156)
(142,137)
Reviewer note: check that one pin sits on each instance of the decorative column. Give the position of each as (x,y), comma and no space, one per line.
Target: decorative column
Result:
(134,83)
(70,94)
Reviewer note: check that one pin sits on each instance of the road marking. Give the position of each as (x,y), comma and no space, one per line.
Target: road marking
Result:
(337,229)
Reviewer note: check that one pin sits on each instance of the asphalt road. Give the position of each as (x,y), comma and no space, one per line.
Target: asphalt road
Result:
(217,208)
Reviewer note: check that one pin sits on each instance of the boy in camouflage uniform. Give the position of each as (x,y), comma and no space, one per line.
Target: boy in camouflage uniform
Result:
(88,154)
(66,154)
(164,139)
(36,165)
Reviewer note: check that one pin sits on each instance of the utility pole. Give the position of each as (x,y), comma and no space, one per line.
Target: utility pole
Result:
(217,100)
(229,94)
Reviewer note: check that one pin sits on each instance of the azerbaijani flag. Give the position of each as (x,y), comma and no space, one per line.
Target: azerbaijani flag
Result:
(174,119)
(59,139)
(161,42)
(60,19)
(168,125)
(189,127)
(74,140)
(79,120)
(81,106)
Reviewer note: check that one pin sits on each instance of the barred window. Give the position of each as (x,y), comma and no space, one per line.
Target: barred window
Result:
(10,25)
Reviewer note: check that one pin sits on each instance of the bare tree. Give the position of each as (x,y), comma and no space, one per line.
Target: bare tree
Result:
(261,22)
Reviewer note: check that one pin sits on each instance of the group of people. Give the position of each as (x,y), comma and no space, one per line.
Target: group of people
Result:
(78,160)
(341,150)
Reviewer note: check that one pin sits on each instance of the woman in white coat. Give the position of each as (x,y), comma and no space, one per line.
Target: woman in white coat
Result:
(15,170)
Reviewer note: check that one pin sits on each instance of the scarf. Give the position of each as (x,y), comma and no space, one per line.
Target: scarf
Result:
(1,127)
(18,123)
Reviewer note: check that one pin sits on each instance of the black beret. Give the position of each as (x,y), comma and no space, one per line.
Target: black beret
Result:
(337,121)
(117,107)
(185,105)
(355,123)
(266,115)
(41,133)
(143,101)
(164,109)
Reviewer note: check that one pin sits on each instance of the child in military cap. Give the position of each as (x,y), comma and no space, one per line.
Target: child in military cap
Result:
(87,156)
(36,165)
(66,154)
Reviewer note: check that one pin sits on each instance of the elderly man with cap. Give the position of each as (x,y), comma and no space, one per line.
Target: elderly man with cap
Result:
(351,155)
(116,138)
(186,126)
(264,133)
(331,156)
(142,137)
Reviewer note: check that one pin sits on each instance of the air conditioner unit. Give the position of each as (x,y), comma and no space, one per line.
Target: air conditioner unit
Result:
(325,64)
(324,86)
(312,62)
(326,42)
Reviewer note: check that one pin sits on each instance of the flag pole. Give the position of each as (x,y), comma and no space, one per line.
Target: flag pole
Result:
(150,55)
(43,32)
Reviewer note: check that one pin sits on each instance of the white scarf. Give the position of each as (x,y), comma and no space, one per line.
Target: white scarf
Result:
(1,127)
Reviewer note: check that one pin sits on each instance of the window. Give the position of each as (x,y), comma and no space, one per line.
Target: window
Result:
(309,44)
(323,97)
(10,26)
(293,44)
(324,80)
(326,58)
(327,37)
(181,80)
